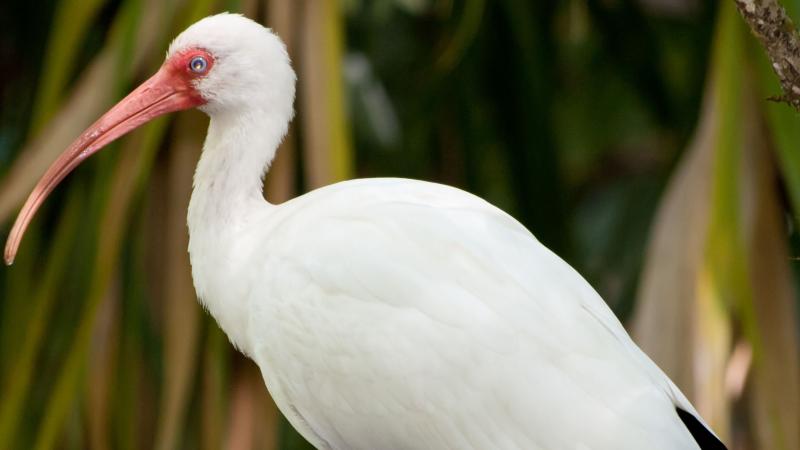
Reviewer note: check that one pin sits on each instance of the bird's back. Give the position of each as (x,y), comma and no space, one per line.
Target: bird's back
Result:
(390,313)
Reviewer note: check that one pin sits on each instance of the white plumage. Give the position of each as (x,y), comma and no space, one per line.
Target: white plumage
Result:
(392,313)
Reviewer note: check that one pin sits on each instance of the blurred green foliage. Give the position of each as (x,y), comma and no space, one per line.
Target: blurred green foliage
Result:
(570,115)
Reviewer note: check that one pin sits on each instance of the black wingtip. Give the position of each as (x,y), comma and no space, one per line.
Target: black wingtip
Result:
(705,438)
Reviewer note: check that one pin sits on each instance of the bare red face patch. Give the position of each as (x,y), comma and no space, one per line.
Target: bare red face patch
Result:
(193,63)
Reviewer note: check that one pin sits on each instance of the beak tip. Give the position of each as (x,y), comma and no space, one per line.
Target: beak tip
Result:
(8,257)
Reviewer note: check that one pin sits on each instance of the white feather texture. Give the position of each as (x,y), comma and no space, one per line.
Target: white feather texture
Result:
(400,314)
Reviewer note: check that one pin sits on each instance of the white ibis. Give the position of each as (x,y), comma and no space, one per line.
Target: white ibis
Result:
(385,313)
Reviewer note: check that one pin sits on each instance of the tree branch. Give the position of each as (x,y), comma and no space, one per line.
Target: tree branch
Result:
(776,32)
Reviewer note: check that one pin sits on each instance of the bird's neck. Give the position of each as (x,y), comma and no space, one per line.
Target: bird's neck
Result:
(226,199)
(228,179)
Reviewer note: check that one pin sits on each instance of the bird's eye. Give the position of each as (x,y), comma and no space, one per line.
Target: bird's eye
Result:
(198,64)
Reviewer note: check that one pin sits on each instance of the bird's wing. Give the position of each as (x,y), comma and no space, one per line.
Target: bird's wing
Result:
(403,314)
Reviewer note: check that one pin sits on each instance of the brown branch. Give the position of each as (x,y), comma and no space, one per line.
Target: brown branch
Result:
(776,32)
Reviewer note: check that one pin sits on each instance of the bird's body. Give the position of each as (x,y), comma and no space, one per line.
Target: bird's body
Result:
(391,313)
(386,313)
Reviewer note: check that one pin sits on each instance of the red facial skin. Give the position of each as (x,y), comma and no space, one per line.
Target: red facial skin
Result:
(179,65)
(170,89)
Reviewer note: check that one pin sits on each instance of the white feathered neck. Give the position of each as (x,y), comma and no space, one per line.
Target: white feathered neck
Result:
(250,92)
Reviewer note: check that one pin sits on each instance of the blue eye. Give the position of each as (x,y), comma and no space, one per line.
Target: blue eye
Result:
(198,64)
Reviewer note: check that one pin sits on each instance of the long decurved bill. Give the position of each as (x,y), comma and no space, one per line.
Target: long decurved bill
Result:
(166,91)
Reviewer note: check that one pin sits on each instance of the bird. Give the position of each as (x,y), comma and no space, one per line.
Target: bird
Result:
(384,313)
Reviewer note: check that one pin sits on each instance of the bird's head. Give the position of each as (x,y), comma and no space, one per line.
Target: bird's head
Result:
(223,64)
(231,63)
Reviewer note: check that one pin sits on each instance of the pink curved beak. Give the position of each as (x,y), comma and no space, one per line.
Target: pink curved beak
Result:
(167,91)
